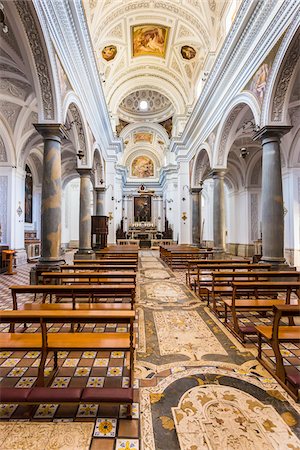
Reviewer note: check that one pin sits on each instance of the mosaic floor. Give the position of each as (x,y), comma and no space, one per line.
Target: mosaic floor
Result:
(196,386)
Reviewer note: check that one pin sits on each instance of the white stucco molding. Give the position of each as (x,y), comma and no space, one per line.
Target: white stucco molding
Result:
(283,58)
(227,126)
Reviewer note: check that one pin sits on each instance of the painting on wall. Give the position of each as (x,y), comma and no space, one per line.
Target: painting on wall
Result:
(149,40)
(142,167)
(188,52)
(109,52)
(146,137)
(259,81)
(142,208)
(28,196)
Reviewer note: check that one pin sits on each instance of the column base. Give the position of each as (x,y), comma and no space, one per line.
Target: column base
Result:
(20,257)
(220,252)
(45,265)
(276,263)
(85,254)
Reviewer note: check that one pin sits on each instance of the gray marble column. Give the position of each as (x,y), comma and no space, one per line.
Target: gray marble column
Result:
(85,249)
(272,199)
(51,194)
(100,197)
(196,215)
(219,211)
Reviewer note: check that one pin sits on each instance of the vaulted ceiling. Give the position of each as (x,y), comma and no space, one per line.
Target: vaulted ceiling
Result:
(154,56)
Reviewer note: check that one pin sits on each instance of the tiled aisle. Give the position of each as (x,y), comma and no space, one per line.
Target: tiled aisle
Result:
(198,387)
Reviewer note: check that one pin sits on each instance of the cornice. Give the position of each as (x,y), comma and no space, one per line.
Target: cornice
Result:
(67,25)
(254,34)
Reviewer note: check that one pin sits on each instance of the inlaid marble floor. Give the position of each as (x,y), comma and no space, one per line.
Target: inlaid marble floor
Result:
(196,387)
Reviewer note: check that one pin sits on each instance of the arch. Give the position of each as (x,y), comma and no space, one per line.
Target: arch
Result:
(7,149)
(98,168)
(73,106)
(143,152)
(137,126)
(41,58)
(157,83)
(228,123)
(274,108)
(204,149)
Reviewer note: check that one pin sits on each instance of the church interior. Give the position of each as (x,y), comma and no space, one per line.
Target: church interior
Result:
(149,224)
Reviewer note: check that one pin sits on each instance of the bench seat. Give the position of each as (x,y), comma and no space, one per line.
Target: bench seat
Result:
(249,304)
(285,333)
(65,395)
(78,306)
(21,341)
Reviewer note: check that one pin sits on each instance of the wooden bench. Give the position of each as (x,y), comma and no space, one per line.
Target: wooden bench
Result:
(89,278)
(202,283)
(46,342)
(222,281)
(122,253)
(106,261)
(287,375)
(91,292)
(252,293)
(192,266)
(100,267)
(177,258)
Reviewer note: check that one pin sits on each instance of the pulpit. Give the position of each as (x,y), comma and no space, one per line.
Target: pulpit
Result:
(99,232)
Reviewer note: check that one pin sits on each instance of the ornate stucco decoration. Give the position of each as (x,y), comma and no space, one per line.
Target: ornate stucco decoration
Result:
(79,128)
(226,132)
(40,59)
(284,80)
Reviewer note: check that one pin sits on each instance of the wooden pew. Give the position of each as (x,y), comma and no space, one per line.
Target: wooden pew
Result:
(193,264)
(105,261)
(74,292)
(99,267)
(202,284)
(222,281)
(287,375)
(69,341)
(255,293)
(89,278)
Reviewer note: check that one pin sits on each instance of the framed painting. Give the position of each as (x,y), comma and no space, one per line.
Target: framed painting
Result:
(149,40)
(142,208)
(28,196)
(142,167)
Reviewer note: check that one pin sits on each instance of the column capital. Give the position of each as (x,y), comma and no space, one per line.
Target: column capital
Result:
(99,189)
(218,173)
(84,172)
(196,190)
(53,131)
(272,132)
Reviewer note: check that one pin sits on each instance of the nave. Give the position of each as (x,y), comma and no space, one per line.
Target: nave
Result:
(195,385)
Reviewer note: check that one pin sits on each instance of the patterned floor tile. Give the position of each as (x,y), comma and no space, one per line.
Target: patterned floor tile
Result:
(127,444)
(26,382)
(6,410)
(101,362)
(17,372)
(61,382)
(82,371)
(71,362)
(95,382)
(87,410)
(117,354)
(45,411)
(11,362)
(105,427)
(89,355)
(114,371)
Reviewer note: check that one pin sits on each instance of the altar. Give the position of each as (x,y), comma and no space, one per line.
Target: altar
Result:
(142,231)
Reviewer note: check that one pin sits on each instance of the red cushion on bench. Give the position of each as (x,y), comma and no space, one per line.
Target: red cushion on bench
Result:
(54,395)
(13,395)
(292,375)
(113,395)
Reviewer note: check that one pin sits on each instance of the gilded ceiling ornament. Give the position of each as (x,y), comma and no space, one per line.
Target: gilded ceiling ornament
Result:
(109,52)
(188,52)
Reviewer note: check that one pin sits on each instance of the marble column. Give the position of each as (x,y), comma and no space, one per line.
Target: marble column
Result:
(51,195)
(100,197)
(196,215)
(272,199)
(85,249)
(219,211)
